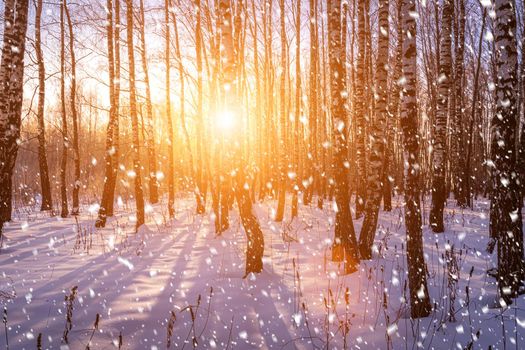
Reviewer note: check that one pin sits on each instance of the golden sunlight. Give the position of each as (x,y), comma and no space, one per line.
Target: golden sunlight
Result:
(275,174)
(225,120)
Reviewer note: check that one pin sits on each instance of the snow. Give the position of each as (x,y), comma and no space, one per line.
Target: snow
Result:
(301,299)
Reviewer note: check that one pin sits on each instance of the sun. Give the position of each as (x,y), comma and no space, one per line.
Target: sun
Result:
(225,120)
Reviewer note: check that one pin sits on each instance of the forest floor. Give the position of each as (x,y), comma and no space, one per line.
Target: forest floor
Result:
(134,281)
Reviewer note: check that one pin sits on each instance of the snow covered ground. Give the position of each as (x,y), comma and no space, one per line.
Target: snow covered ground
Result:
(178,277)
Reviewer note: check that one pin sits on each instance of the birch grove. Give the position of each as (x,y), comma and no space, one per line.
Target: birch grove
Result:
(335,123)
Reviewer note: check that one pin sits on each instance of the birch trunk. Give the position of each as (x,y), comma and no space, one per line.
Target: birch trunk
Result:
(506,218)
(258,115)
(150,128)
(457,140)
(440,124)
(110,169)
(475,109)
(64,211)
(47,201)
(295,197)
(417,279)
(11,95)
(393,125)
(74,115)
(139,194)
(377,138)
(312,106)
(171,132)
(360,110)
(282,114)
(116,126)
(344,227)
(200,178)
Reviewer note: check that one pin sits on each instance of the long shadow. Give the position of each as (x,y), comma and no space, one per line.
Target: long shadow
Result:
(22,243)
(275,331)
(143,329)
(100,263)
(156,317)
(105,269)
(180,290)
(42,231)
(250,302)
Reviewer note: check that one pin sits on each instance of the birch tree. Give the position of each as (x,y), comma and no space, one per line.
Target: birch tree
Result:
(110,168)
(74,115)
(312,106)
(393,110)
(135,147)
(344,227)
(377,138)
(475,109)
(64,211)
(199,175)
(47,201)
(282,121)
(458,134)
(11,88)
(360,109)
(171,132)
(506,218)
(297,150)
(417,278)
(150,128)
(440,124)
